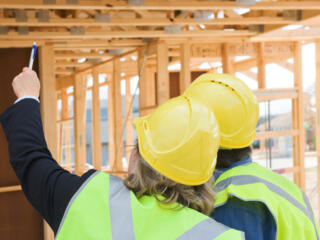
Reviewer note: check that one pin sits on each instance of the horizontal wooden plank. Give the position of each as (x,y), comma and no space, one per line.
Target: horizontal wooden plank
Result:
(286,170)
(70,22)
(158,5)
(10,189)
(275,134)
(275,94)
(36,35)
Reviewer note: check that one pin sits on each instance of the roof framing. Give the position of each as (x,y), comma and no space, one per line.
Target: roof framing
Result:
(159,5)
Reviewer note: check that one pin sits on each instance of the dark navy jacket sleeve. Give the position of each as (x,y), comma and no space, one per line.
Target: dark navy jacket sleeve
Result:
(253,218)
(46,185)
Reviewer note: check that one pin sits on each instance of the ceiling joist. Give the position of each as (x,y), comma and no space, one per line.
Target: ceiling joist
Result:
(158,5)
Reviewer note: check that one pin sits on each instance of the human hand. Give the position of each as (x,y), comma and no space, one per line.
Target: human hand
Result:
(26,84)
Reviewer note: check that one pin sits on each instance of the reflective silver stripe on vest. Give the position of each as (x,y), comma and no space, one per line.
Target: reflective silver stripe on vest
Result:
(249,179)
(207,229)
(72,200)
(306,200)
(120,210)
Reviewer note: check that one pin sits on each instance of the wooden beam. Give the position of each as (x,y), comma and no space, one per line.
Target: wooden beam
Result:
(275,134)
(317,93)
(286,65)
(116,120)
(261,66)
(185,74)
(225,59)
(111,129)
(250,74)
(10,189)
(48,109)
(129,130)
(64,82)
(58,35)
(70,64)
(80,55)
(66,127)
(110,44)
(264,95)
(162,73)
(96,122)
(298,119)
(89,69)
(277,33)
(143,80)
(80,124)
(159,5)
(150,21)
(244,65)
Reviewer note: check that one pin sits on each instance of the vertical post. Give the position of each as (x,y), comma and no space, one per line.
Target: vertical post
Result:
(116,164)
(225,58)
(96,122)
(298,113)
(64,125)
(163,93)
(185,75)
(111,130)
(142,81)
(261,66)
(80,124)
(48,108)
(66,142)
(129,132)
(317,92)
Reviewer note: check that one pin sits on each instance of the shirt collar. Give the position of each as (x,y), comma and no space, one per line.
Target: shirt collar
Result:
(244,161)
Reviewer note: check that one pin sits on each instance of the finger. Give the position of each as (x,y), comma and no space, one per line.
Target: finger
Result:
(25,69)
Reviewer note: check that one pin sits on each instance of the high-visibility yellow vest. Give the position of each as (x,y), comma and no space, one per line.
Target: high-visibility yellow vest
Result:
(103,208)
(287,202)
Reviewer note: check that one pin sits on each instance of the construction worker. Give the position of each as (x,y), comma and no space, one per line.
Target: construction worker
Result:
(166,195)
(250,198)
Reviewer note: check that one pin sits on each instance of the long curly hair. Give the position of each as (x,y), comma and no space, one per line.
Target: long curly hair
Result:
(147,181)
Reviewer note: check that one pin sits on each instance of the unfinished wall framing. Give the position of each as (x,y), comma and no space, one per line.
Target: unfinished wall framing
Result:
(99,48)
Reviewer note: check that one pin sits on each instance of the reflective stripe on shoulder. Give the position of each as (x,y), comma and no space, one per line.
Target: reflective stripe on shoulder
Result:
(250,179)
(72,200)
(120,210)
(207,229)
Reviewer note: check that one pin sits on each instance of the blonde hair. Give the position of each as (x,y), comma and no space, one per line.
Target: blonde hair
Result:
(146,181)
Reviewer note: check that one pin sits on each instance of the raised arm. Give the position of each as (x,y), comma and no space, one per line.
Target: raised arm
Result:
(46,185)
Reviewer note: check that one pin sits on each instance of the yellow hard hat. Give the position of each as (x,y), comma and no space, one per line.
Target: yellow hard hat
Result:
(233,103)
(180,140)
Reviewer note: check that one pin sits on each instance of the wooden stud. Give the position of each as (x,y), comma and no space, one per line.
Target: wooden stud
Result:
(80,124)
(162,73)
(317,93)
(225,58)
(185,74)
(96,122)
(111,129)
(116,120)
(129,130)
(261,66)
(48,109)
(143,80)
(298,113)
(64,125)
